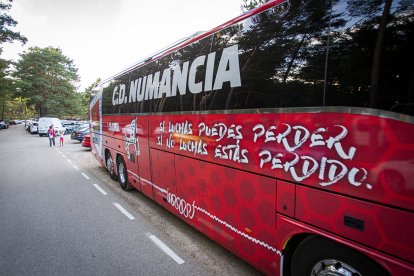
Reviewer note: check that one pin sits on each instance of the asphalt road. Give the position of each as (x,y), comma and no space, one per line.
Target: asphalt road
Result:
(61,214)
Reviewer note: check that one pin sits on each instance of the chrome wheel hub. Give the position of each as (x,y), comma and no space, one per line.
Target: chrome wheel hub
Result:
(122,172)
(109,165)
(333,268)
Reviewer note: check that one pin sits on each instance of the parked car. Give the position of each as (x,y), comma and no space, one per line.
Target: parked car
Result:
(27,124)
(15,122)
(69,125)
(33,128)
(4,124)
(45,122)
(81,122)
(75,128)
(86,142)
(79,132)
(28,121)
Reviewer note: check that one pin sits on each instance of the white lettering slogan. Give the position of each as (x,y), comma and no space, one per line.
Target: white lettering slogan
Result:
(301,167)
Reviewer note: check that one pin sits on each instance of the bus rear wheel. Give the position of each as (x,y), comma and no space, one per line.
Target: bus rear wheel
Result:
(123,175)
(317,256)
(110,166)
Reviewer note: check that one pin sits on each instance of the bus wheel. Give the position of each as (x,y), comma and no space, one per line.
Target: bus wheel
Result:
(110,166)
(123,175)
(319,256)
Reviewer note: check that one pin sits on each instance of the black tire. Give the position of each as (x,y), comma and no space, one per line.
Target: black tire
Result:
(316,255)
(110,166)
(123,175)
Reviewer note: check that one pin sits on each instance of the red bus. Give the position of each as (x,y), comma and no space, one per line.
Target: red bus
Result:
(285,135)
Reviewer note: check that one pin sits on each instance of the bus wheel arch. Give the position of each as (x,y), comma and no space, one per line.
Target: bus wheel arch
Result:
(110,165)
(288,251)
(122,173)
(316,255)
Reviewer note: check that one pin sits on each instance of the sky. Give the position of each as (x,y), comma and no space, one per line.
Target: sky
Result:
(103,37)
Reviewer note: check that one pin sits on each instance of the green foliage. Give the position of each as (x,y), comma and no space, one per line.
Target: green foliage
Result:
(6,21)
(85,96)
(6,84)
(47,78)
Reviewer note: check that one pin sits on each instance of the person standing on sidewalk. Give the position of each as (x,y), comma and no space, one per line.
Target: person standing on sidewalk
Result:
(51,134)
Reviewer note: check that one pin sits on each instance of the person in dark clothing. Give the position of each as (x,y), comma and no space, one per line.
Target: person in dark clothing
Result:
(51,134)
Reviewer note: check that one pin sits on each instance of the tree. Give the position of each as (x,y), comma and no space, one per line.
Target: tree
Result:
(6,35)
(6,21)
(370,8)
(84,98)
(5,86)
(277,44)
(47,79)
(351,55)
(251,4)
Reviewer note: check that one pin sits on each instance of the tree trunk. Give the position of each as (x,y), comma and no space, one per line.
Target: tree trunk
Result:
(41,111)
(249,59)
(294,55)
(376,62)
(3,107)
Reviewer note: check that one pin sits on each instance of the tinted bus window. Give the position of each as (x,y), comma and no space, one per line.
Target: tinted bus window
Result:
(275,47)
(142,78)
(296,54)
(352,78)
(117,92)
(106,99)
(190,101)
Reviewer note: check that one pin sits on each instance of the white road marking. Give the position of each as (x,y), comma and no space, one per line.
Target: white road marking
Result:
(64,156)
(75,167)
(165,248)
(69,161)
(100,189)
(122,209)
(84,175)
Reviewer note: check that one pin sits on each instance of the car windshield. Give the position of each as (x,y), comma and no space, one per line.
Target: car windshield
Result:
(83,127)
(78,127)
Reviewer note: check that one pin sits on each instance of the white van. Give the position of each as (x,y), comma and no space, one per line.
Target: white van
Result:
(45,122)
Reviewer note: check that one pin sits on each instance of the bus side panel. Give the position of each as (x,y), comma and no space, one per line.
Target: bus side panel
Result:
(95,114)
(108,141)
(381,227)
(163,176)
(110,128)
(144,156)
(118,132)
(330,151)
(95,151)
(234,208)
(288,228)
(130,149)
